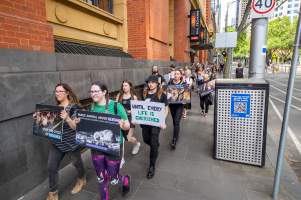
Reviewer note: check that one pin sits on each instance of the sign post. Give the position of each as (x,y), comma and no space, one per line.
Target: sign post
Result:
(261,10)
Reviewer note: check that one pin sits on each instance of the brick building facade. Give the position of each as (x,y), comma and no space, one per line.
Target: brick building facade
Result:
(159,30)
(23,25)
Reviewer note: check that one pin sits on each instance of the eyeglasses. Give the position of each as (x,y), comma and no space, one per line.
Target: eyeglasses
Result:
(94,91)
(59,91)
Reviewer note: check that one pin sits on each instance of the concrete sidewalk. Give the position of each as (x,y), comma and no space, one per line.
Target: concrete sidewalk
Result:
(189,172)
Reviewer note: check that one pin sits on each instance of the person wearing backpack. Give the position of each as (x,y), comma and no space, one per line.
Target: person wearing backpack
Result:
(239,71)
(107,166)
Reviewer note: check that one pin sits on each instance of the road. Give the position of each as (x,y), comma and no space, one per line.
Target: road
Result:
(278,87)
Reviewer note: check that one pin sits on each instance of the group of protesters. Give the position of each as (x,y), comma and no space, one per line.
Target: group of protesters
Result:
(199,78)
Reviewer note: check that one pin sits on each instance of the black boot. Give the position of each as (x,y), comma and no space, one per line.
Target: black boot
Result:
(173,144)
(151,172)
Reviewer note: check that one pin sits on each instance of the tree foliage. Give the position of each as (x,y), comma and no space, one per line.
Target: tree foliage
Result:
(242,49)
(281,35)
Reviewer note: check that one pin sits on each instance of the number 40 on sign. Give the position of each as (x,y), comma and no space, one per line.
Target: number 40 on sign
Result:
(262,8)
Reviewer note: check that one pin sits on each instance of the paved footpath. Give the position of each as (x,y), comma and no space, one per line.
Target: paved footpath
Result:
(188,173)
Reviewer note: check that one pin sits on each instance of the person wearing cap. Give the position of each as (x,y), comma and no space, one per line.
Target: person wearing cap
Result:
(153,93)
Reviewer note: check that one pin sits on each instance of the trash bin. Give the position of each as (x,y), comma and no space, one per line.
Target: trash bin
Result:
(240,120)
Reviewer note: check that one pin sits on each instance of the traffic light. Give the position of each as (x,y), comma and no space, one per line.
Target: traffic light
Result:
(224,53)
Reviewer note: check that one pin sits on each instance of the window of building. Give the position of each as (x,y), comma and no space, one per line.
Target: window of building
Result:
(280,14)
(296,5)
(290,6)
(276,15)
(296,11)
(289,12)
(106,5)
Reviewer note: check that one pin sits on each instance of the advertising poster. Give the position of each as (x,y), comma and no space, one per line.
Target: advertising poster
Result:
(195,24)
(47,122)
(148,113)
(99,131)
(178,94)
(240,105)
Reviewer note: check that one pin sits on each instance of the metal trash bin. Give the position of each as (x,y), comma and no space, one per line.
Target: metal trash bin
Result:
(240,120)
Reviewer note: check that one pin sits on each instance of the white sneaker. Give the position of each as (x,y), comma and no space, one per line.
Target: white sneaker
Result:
(114,181)
(122,162)
(136,148)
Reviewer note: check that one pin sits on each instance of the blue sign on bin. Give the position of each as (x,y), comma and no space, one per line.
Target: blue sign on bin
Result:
(240,105)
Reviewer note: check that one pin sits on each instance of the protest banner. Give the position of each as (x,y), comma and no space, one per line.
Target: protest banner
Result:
(178,94)
(47,122)
(148,113)
(99,131)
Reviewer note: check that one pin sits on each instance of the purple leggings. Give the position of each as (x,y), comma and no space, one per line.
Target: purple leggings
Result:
(107,171)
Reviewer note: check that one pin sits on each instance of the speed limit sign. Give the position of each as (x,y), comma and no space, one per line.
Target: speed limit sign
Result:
(262,8)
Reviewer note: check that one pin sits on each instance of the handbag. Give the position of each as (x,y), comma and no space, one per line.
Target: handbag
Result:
(210,99)
(205,93)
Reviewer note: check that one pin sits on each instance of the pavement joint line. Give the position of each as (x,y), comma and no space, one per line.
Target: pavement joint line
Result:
(289,130)
(280,100)
(283,92)
(137,189)
(282,84)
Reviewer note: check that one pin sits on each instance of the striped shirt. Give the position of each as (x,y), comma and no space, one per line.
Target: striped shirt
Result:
(68,139)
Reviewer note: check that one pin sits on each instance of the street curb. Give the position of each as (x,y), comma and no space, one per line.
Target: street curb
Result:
(289,180)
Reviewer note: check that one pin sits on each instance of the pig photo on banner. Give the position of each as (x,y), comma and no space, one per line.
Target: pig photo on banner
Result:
(148,113)
(47,122)
(178,94)
(99,131)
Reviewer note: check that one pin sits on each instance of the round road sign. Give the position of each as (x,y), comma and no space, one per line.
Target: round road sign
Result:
(263,6)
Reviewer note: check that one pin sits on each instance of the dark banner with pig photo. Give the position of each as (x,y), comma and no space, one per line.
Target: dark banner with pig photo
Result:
(99,131)
(47,122)
(178,94)
(148,113)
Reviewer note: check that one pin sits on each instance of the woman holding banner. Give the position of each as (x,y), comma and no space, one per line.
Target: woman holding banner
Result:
(66,98)
(153,93)
(125,95)
(176,109)
(107,166)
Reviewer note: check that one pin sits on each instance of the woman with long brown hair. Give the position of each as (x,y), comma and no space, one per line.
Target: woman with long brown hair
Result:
(176,109)
(66,98)
(125,95)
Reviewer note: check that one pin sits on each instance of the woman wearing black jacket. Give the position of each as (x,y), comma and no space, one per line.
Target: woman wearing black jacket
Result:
(153,93)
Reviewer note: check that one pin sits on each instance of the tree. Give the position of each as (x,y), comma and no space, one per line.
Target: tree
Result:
(281,32)
(242,49)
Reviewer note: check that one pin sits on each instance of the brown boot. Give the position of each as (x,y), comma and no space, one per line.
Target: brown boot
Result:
(80,183)
(53,196)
